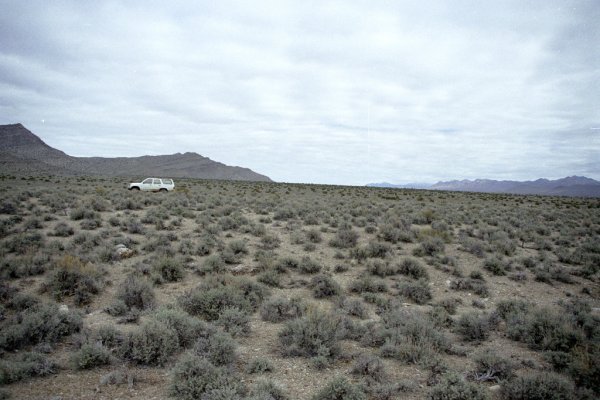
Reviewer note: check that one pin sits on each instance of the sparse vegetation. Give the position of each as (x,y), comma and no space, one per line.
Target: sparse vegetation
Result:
(329,292)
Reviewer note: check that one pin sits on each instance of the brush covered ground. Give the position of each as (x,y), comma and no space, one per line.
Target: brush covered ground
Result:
(239,290)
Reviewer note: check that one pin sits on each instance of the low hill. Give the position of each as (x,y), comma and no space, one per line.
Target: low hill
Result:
(21,151)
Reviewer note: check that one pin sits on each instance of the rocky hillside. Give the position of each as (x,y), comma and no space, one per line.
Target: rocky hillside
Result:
(21,151)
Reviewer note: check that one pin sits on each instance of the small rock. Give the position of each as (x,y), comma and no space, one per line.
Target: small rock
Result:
(494,388)
(63,308)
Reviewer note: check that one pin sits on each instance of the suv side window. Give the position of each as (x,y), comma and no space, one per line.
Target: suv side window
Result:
(167,181)
(157,182)
(147,181)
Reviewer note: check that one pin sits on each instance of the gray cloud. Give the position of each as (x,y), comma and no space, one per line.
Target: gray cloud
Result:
(328,92)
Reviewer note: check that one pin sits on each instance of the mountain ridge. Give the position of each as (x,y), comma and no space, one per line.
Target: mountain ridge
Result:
(23,151)
(574,185)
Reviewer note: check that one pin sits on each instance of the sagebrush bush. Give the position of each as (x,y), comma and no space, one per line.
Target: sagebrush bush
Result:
(369,366)
(42,323)
(538,386)
(543,329)
(430,246)
(324,286)
(234,321)
(267,390)
(218,347)
(187,328)
(340,389)
(308,266)
(473,326)
(413,268)
(25,365)
(152,343)
(71,277)
(345,238)
(454,387)
(418,291)
(136,292)
(168,269)
(313,335)
(211,297)
(367,284)
(194,377)
(381,268)
(279,309)
(259,366)
(90,356)
(495,366)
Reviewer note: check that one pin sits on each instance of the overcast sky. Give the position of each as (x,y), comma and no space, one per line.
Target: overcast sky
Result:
(346,92)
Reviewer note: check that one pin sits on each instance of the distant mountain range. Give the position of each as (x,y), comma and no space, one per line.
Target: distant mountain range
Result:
(569,186)
(22,152)
(400,185)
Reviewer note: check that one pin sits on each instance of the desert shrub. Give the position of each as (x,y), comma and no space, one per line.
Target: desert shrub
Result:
(493,366)
(538,386)
(90,356)
(213,296)
(473,246)
(279,309)
(90,224)
(259,366)
(473,326)
(285,263)
(213,264)
(308,266)
(168,269)
(267,390)
(354,307)
(43,323)
(72,277)
(506,307)
(22,243)
(234,321)
(378,249)
(418,291)
(218,347)
(80,213)
(412,325)
(413,268)
(469,284)
(25,365)
(153,343)
(370,366)
(185,326)
(314,335)
(205,245)
(497,265)
(63,230)
(270,277)
(450,304)
(313,236)
(194,377)
(367,284)
(269,242)
(345,238)
(381,268)
(108,336)
(340,389)
(324,286)
(136,292)
(543,329)
(454,387)
(430,246)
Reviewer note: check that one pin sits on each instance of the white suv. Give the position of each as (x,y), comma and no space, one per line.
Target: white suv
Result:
(153,185)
